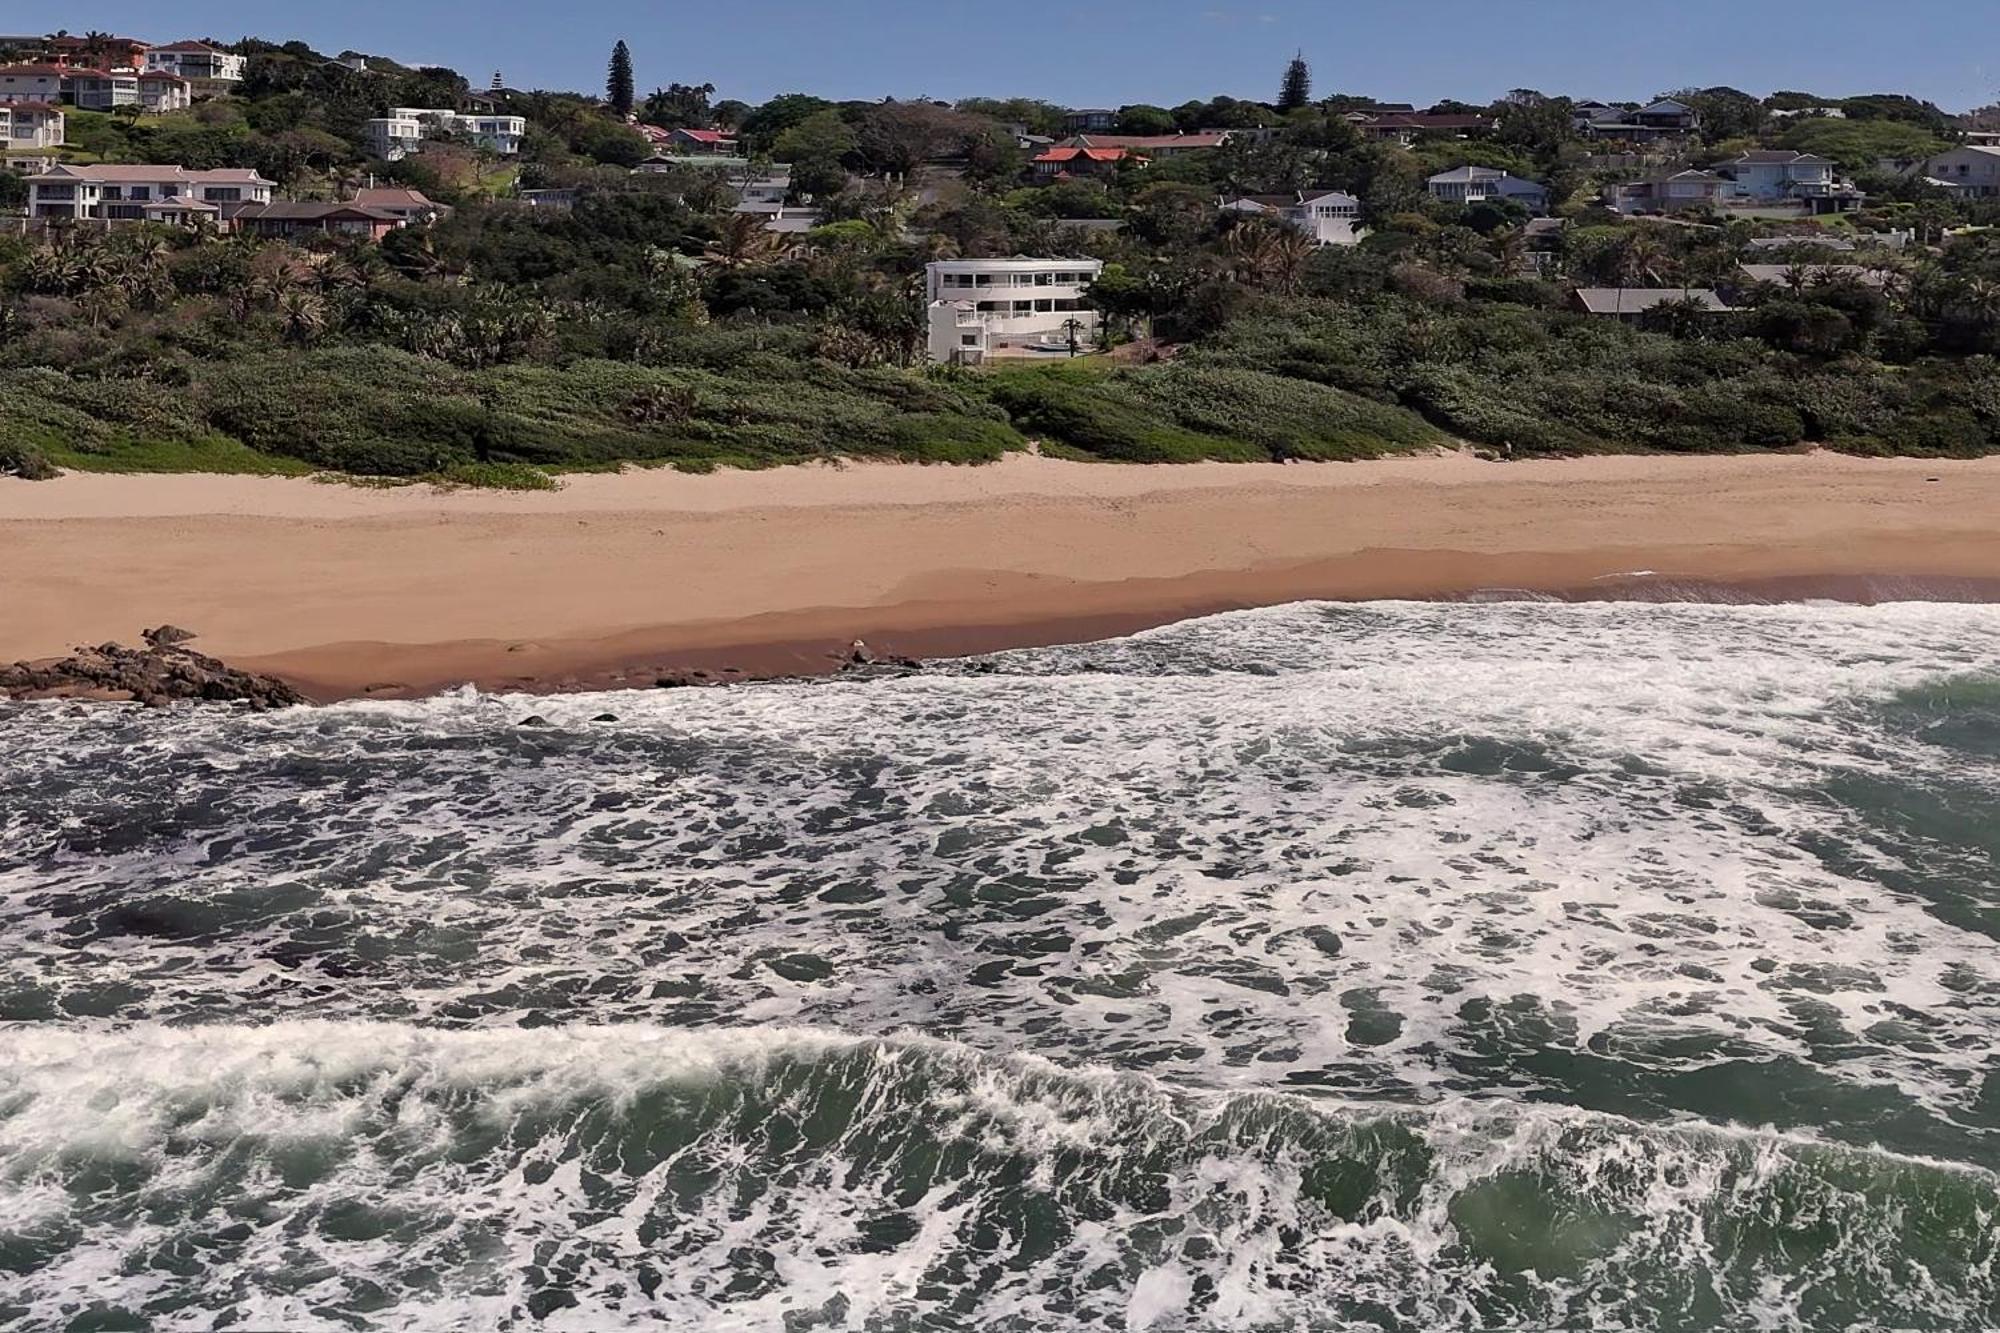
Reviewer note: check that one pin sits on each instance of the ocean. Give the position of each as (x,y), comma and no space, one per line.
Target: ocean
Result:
(1386,966)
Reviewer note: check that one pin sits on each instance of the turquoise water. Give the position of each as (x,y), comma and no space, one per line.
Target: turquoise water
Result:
(1325,967)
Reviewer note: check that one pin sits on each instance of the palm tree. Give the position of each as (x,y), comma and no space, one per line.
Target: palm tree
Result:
(304,315)
(1640,259)
(745,242)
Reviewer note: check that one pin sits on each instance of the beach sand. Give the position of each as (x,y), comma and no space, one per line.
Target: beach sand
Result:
(617,579)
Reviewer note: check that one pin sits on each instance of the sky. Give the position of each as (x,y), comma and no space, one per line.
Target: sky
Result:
(1114,52)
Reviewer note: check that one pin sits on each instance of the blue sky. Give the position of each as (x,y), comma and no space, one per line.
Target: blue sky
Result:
(1109,52)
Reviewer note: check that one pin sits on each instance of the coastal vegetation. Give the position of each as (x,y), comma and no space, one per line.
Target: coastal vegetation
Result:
(648,322)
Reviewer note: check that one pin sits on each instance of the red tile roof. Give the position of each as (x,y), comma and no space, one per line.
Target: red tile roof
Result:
(1154,142)
(190,46)
(39,71)
(46,108)
(1089,154)
(706,136)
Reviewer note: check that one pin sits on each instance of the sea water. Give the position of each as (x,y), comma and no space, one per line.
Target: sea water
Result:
(1327,967)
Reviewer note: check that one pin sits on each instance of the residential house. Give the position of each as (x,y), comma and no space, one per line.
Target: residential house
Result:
(208,69)
(1664,119)
(69,51)
(1064,163)
(31,83)
(702,143)
(286,220)
(1786,275)
(100,89)
(160,92)
(983,308)
(399,201)
(30,133)
(1819,240)
(1972,171)
(1151,146)
(1768,177)
(551,198)
(1473,185)
(1633,304)
(1092,120)
(1328,216)
(124,193)
(396,135)
(1678,193)
(1406,127)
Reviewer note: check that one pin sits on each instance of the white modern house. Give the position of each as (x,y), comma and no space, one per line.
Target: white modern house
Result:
(1474,185)
(1972,171)
(208,69)
(160,92)
(101,89)
(1775,176)
(399,133)
(138,193)
(983,308)
(30,134)
(1328,216)
(31,83)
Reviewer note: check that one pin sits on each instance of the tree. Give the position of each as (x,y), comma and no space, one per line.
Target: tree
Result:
(680,106)
(1143,119)
(1296,92)
(618,84)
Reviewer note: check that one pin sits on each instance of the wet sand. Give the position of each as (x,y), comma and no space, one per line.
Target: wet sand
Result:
(620,580)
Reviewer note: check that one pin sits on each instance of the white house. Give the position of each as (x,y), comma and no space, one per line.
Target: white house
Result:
(101,89)
(30,129)
(31,83)
(398,134)
(1972,171)
(982,308)
(1668,194)
(131,193)
(1777,176)
(161,92)
(1328,216)
(208,69)
(1473,185)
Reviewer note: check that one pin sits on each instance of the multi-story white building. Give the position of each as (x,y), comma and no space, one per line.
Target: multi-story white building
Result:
(135,193)
(1972,171)
(100,89)
(208,69)
(160,92)
(30,128)
(1473,185)
(31,83)
(395,136)
(982,308)
(1330,217)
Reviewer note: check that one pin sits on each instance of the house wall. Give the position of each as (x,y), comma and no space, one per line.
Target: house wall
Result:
(1969,169)
(1011,299)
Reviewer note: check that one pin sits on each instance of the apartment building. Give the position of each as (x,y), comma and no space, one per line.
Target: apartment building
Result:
(137,193)
(983,308)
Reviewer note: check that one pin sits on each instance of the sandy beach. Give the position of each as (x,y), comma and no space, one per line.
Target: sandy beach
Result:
(616,579)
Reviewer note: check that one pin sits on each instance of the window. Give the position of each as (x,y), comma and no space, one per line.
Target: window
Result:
(968,340)
(216,194)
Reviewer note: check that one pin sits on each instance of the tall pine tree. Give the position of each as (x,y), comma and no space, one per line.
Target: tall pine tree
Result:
(618,87)
(1298,89)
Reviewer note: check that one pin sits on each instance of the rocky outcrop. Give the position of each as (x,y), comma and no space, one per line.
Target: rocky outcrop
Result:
(166,671)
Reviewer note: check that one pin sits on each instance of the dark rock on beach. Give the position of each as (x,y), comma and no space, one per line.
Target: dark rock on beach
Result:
(166,671)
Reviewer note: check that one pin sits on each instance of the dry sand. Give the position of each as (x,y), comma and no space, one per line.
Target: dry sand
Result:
(614,579)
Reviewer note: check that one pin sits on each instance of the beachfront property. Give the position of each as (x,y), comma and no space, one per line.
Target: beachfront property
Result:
(160,92)
(1153,146)
(143,193)
(1633,304)
(69,51)
(208,69)
(1090,120)
(701,143)
(1066,162)
(1681,192)
(401,202)
(1768,176)
(286,220)
(100,89)
(980,309)
(1664,119)
(1328,216)
(1972,171)
(402,131)
(30,131)
(1406,127)
(31,83)
(1473,185)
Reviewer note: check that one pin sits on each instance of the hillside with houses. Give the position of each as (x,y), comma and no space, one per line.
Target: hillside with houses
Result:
(254,255)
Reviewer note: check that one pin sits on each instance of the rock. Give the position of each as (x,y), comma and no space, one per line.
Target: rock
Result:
(605,717)
(858,654)
(167,636)
(164,672)
(533,720)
